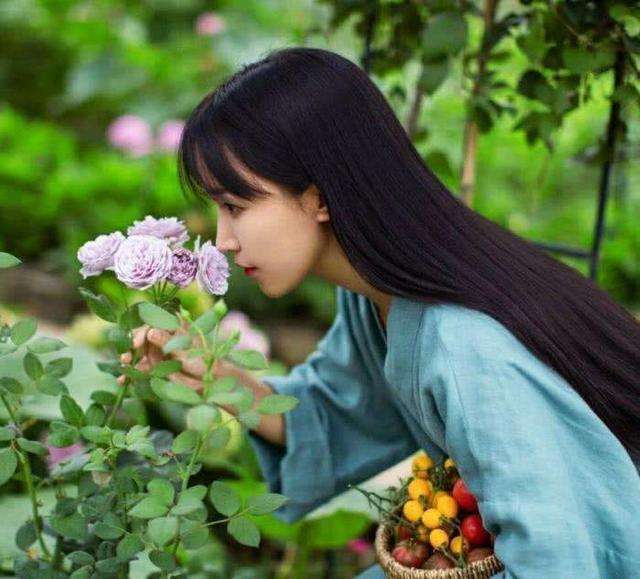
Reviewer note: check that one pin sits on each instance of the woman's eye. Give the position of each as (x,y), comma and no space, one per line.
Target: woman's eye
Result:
(231,208)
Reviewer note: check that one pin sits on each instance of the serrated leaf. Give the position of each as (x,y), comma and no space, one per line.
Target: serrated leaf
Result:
(104,397)
(51,385)
(185,441)
(156,317)
(267,503)
(276,404)
(71,411)
(224,498)
(187,504)
(23,331)
(32,446)
(181,342)
(162,530)
(166,390)
(45,345)
(62,434)
(59,367)
(99,305)
(166,367)
(32,366)
(129,547)
(250,359)
(149,508)
(162,490)
(8,464)
(96,434)
(244,530)
(8,260)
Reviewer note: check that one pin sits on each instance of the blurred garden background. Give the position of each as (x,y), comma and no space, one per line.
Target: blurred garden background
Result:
(530,111)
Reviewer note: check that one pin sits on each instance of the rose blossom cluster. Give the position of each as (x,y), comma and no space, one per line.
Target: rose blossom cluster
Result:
(153,251)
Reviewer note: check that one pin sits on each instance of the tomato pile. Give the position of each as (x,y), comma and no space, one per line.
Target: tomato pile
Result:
(436,518)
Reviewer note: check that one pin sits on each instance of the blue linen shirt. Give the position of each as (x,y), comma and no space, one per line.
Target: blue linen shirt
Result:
(554,485)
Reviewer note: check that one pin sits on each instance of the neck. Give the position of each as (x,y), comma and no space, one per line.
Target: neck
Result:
(334,267)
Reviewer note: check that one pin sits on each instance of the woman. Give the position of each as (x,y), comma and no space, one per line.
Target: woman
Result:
(452,334)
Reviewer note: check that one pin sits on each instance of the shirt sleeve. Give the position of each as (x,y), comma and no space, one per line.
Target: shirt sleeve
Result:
(512,449)
(344,430)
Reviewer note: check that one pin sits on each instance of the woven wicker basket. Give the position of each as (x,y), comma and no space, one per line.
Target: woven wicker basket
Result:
(384,543)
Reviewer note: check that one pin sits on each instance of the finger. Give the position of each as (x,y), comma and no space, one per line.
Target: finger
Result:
(121,380)
(190,381)
(143,364)
(194,366)
(126,358)
(158,337)
(139,336)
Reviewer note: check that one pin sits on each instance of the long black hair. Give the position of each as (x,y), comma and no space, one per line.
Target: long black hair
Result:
(303,116)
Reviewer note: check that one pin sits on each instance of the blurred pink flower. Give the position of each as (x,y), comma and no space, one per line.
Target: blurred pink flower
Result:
(57,455)
(132,134)
(169,135)
(213,268)
(359,546)
(210,24)
(250,338)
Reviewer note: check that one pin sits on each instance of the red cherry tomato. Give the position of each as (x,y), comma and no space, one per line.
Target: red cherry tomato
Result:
(464,497)
(410,553)
(403,532)
(473,530)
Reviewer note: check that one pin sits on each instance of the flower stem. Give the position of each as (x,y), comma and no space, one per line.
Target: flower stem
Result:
(37,522)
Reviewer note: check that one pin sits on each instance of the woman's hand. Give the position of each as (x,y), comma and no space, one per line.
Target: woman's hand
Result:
(149,343)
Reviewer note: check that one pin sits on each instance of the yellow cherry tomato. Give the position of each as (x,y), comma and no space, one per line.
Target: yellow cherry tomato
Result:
(412,510)
(438,538)
(437,495)
(447,506)
(431,518)
(422,534)
(449,463)
(419,487)
(459,544)
(421,465)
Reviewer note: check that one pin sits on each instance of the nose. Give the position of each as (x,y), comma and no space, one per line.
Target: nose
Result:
(225,240)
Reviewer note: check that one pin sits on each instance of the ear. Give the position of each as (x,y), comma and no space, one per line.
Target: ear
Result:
(322,211)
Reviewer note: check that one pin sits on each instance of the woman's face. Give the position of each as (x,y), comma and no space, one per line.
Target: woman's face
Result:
(280,235)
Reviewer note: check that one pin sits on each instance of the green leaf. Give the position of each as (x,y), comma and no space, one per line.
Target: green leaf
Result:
(149,508)
(207,321)
(267,503)
(156,317)
(109,528)
(59,368)
(7,348)
(250,418)
(433,75)
(32,446)
(129,547)
(8,260)
(244,530)
(71,527)
(51,385)
(45,345)
(80,558)
(104,397)
(162,530)
(8,464)
(26,535)
(166,390)
(185,441)
(250,359)
(197,492)
(71,411)
(166,367)
(219,438)
(6,433)
(99,305)
(62,434)
(188,503)
(108,566)
(181,342)
(224,498)
(96,434)
(130,318)
(162,490)
(232,398)
(95,415)
(202,417)
(11,385)
(162,560)
(445,35)
(195,538)
(276,404)
(23,331)
(32,366)
(120,339)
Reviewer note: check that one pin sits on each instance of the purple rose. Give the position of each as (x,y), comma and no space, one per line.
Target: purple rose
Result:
(142,261)
(184,268)
(132,134)
(98,255)
(169,135)
(213,269)
(171,229)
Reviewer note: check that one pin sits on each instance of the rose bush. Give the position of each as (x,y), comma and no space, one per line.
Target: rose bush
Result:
(132,490)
